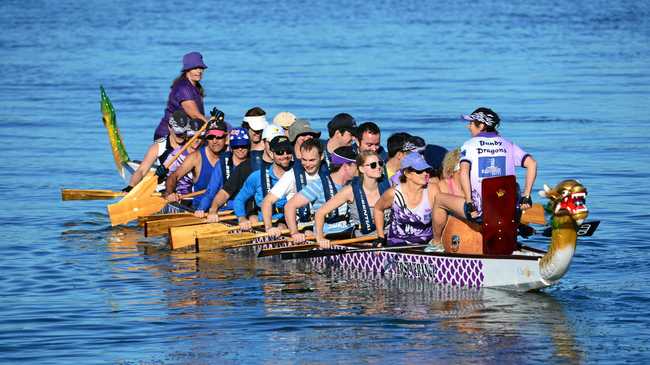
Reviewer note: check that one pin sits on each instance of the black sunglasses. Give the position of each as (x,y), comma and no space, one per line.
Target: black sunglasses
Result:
(211,137)
(373,165)
(283,152)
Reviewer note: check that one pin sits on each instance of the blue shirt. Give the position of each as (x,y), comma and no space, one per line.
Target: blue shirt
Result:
(253,188)
(214,185)
(315,193)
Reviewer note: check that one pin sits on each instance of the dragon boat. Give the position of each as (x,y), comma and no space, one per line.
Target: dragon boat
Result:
(523,269)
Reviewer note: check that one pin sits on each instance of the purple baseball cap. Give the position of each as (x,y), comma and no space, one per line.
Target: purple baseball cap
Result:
(414,161)
(193,60)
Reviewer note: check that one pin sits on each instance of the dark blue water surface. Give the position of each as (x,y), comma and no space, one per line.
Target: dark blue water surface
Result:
(571,81)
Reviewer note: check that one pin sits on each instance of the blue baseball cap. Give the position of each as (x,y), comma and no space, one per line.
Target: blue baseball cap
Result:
(239,138)
(414,161)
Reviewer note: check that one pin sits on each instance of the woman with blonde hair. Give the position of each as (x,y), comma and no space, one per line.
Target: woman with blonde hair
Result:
(361,195)
(450,180)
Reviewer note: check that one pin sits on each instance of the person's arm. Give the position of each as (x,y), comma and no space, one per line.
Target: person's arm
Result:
(531,174)
(170,184)
(342,197)
(192,110)
(246,192)
(297,201)
(219,200)
(145,165)
(267,214)
(384,202)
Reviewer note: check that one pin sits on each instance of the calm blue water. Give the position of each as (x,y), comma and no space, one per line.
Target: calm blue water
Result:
(570,79)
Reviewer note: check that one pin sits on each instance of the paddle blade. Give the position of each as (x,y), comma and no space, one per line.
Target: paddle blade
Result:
(90,194)
(533,215)
(181,237)
(110,122)
(127,210)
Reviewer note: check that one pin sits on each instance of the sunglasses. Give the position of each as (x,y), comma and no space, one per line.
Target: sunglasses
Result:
(283,152)
(373,165)
(256,132)
(211,137)
(420,172)
(238,147)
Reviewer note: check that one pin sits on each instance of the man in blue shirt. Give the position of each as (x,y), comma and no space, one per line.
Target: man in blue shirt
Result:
(342,170)
(259,182)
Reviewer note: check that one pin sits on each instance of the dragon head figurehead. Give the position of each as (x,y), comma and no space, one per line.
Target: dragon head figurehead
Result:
(567,199)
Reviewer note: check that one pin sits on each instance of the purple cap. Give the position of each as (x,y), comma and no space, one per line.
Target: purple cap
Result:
(193,60)
(414,161)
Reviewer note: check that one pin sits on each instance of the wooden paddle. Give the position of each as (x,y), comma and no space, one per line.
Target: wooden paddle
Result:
(533,215)
(309,246)
(305,254)
(184,236)
(212,243)
(162,216)
(90,194)
(129,209)
(229,239)
(160,227)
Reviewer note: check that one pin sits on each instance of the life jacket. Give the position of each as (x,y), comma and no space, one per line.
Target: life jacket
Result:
(164,149)
(226,164)
(304,213)
(265,178)
(256,160)
(366,223)
(329,189)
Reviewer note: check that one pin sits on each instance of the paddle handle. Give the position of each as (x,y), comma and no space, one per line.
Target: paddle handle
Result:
(186,146)
(192,194)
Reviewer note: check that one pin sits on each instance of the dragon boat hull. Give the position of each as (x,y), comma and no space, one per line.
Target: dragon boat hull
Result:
(519,272)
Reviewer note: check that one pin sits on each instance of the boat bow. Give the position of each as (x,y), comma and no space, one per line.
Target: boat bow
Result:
(567,205)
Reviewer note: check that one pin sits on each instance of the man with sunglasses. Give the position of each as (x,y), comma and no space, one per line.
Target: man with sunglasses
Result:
(308,169)
(232,186)
(162,147)
(315,194)
(259,182)
(255,122)
(229,162)
(201,163)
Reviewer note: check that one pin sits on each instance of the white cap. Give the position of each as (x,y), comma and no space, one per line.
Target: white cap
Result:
(256,123)
(271,131)
(284,119)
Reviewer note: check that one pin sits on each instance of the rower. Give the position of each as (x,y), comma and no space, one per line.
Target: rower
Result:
(228,163)
(486,155)
(306,170)
(259,182)
(162,147)
(284,120)
(369,138)
(185,183)
(255,123)
(450,174)
(361,196)
(201,162)
(299,132)
(396,152)
(342,131)
(232,185)
(411,204)
(315,194)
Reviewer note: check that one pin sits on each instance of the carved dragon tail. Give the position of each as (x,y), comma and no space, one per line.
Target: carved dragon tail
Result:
(110,122)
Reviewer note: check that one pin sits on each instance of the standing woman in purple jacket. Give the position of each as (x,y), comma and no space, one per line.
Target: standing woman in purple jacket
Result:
(187,93)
